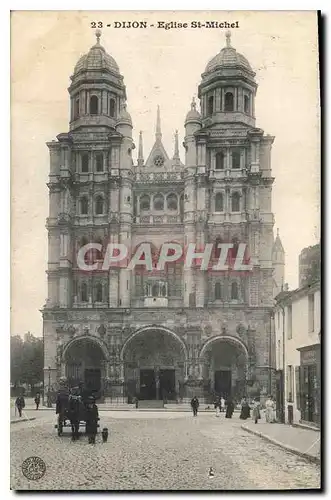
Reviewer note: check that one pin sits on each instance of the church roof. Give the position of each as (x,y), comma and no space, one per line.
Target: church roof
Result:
(228,56)
(96,59)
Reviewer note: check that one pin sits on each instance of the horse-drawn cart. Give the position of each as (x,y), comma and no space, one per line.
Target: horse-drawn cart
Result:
(71,412)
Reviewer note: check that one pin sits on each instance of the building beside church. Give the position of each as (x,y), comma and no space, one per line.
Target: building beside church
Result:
(179,332)
(298,342)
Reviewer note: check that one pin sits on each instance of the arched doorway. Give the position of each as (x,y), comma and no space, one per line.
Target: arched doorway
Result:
(224,364)
(154,364)
(84,360)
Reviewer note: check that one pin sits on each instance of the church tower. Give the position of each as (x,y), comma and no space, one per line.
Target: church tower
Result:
(90,193)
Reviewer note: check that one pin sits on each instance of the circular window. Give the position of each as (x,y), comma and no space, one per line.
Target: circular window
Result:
(158,160)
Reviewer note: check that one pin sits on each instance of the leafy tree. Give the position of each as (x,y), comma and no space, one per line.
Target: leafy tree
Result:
(26,359)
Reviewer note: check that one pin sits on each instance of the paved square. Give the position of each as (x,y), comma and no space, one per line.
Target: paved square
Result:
(159,451)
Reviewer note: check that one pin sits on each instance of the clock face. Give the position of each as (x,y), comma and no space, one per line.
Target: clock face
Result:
(158,161)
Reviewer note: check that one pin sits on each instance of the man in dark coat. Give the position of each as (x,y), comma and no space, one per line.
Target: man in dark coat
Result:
(20,404)
(229,408)
(75,410)
(37,400)
(92,417)
(195,405)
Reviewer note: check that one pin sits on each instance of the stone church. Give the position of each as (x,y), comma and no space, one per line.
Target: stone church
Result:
(178,332)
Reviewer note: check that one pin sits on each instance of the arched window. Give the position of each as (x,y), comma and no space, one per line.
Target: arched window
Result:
(94,105)
(99,205)
(112,107)
(145,202)
(181,207)
(155,290)
(163,291)
(228,102)
(235,159)
(76,108)
(217,251)
(218,291)
(220,160)
(234,290)
(83,293)
(84,205)
(219,202)
(172,202)
(234,249)
(235,202)
(246,104)
(158,202)
(98,293)
(99,162)
(210,106)
(85,162)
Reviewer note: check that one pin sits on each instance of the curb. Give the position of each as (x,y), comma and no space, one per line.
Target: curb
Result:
(307,427)
(295,451)
(22,420)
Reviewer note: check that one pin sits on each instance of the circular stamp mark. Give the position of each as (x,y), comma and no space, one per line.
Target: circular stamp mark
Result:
(33,468)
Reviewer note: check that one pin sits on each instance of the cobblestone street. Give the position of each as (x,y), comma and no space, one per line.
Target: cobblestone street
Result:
(160,451)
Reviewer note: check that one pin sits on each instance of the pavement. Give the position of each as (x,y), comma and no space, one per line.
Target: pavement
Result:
(304,442)
(170,451)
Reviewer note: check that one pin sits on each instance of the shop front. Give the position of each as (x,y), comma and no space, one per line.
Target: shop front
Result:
(310,384)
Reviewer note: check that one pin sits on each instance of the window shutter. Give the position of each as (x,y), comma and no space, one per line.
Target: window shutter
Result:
(297,386)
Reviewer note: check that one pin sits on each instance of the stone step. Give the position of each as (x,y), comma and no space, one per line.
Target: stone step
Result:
(150,403)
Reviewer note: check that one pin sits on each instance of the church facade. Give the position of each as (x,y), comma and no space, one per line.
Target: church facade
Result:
(161,334)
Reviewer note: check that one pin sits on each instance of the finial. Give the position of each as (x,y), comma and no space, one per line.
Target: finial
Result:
(228,38)
(98,34)
(278,232)
(158,134)
(176,152)
(193,104)
(140,150)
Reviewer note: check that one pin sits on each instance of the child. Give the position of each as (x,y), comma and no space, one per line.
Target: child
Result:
(92,417)
(256,410)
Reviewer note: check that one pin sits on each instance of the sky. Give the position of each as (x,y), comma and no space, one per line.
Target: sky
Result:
(160,67)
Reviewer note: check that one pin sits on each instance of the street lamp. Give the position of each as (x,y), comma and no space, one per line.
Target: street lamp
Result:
(49,401)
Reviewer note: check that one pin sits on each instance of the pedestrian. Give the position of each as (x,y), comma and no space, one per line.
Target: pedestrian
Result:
(256,410)
(37,400)
(269,410)
(222,406)
(195,405)
(92,417)
(20,404)
(245,410)
(75,411)
(217,406)
(229,408)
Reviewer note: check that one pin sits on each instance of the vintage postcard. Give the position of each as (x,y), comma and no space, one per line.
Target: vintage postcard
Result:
(165,251)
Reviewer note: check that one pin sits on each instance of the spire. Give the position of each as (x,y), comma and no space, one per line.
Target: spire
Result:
(176,153)
(98,34)
(193,104)
(140,150)
(158,135)
(228,38)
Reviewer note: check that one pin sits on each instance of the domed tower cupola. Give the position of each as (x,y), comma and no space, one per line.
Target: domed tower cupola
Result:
(97,89)
(228,88)
(193,117)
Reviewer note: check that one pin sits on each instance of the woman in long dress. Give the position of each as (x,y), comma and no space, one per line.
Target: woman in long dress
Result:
(269,410)
(245,410)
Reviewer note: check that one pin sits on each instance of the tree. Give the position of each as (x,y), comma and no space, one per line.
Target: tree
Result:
(26,360)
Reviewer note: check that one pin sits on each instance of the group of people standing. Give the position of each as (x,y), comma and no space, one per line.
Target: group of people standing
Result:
(227,405)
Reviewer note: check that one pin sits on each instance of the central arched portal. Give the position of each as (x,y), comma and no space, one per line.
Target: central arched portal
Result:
(154,365)
(224,364)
